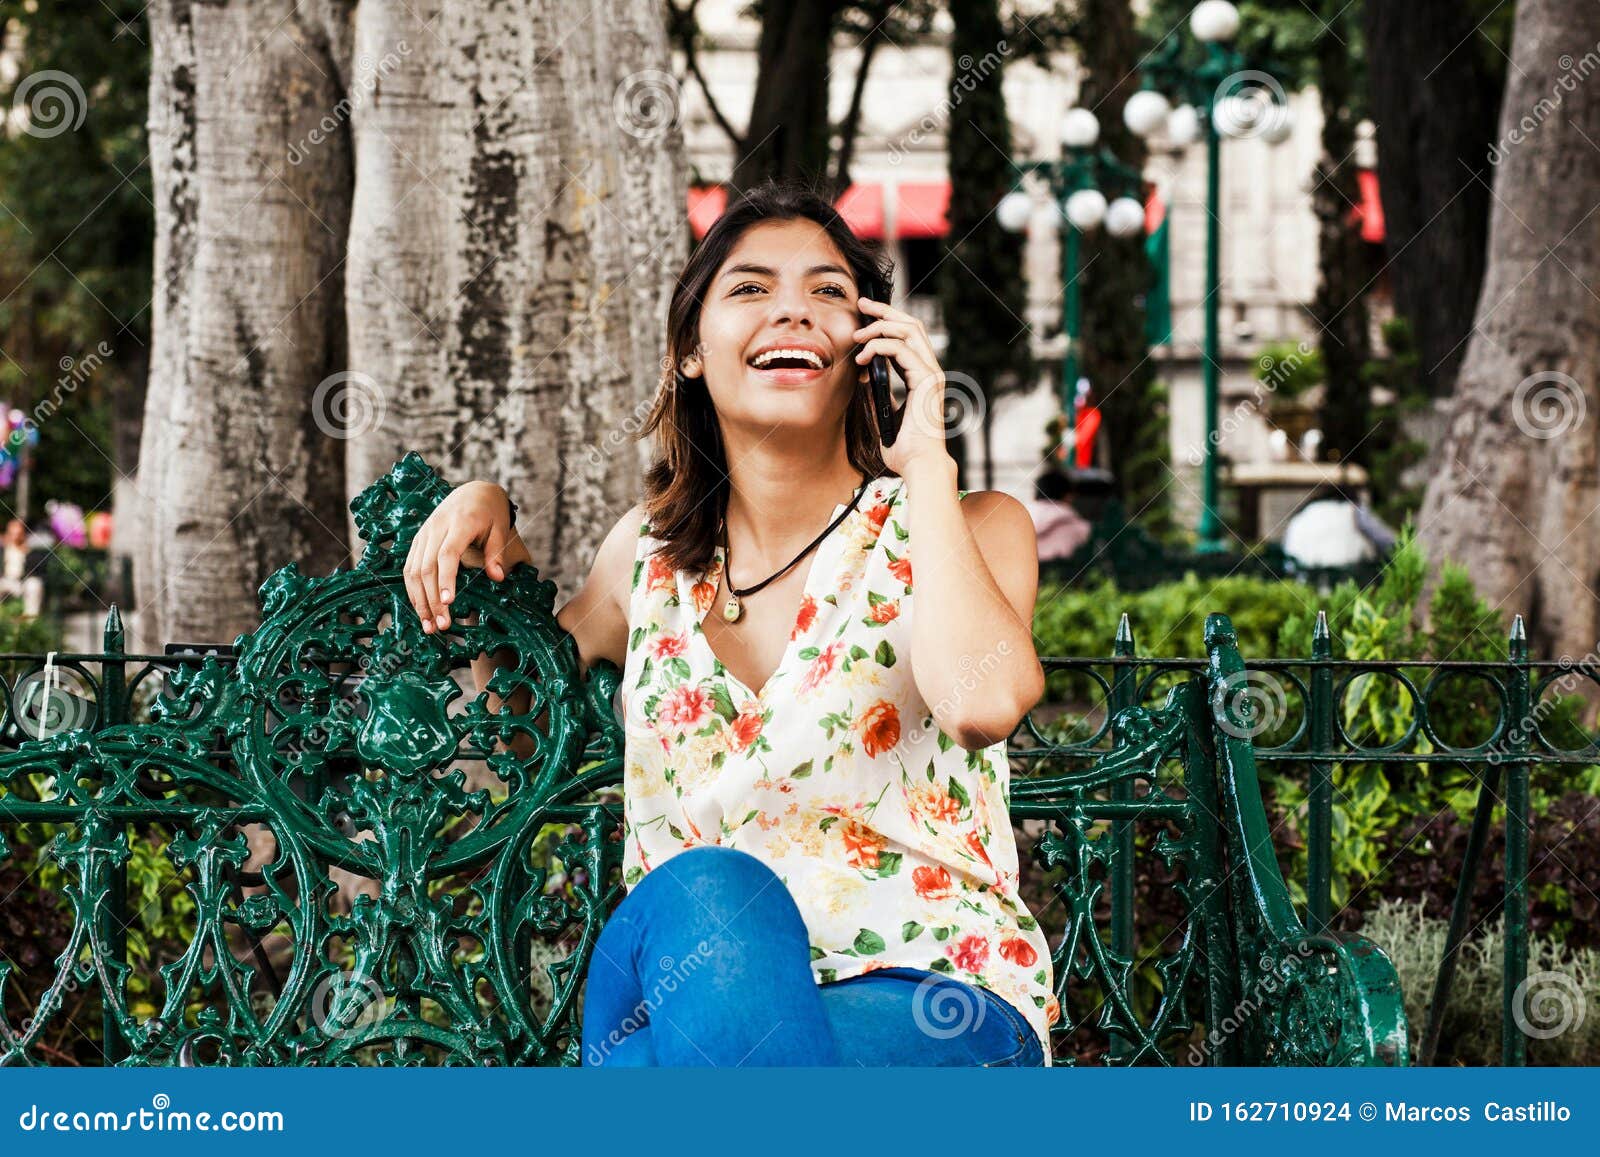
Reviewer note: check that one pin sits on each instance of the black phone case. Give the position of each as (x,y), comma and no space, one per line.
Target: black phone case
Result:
(878,382)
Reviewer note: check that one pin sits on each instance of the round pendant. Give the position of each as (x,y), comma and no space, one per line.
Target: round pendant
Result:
(731,610)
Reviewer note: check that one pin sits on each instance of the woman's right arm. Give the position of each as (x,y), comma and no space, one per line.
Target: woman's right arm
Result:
(472,527)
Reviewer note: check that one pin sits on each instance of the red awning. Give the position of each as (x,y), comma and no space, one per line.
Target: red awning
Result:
(1370,211)
(921,210)
(860,205)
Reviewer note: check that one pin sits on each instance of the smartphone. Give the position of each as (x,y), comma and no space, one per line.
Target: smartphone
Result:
(878,374)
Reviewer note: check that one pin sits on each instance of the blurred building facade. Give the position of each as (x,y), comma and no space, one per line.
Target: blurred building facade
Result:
(900,186)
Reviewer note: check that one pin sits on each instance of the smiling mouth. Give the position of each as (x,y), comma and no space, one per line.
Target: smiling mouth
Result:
(791,360)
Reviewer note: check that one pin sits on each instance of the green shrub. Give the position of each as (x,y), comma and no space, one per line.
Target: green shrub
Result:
(1563,989)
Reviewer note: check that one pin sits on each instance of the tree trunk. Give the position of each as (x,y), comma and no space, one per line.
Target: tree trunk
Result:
(1515,485)
(1344,271)
(980,281)
(487,200)
(248,314)
(517,230)
(1435,91)
(787,135)
(1115,275)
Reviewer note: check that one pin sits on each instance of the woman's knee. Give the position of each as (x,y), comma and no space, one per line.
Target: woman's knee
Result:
(720,884)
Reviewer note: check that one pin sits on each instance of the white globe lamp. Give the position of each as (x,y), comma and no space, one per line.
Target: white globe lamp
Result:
(1086,210)
(1125,218)
(1145,112)
(1183,125)
(1014,211)
(1080,129)
(1214,21)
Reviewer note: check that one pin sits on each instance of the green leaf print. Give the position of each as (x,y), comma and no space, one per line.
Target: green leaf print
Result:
(869,942)
(638,569)
(874,598)
(1027,923)
(959,794)
(858,652)
(942,965)
(827,823)
(909,931)
(678,667)
(884,656)
(673,828)
(801,770)
(945,742)
(941,933)
(633,876)
(645,670)
(817,953)
(889,864)
(827,975)
(809,653)
(635,638)
(722,702)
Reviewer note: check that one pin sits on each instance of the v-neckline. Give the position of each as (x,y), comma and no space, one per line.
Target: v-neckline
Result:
(719,562)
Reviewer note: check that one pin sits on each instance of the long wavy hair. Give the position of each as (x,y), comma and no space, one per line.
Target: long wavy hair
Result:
(686,486)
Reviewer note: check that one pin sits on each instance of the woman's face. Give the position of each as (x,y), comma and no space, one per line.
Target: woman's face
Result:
(784,286)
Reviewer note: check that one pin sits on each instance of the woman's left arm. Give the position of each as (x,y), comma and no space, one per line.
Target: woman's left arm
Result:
(974,561)
(975,575)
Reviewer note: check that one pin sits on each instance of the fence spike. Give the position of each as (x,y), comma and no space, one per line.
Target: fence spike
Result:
(1124,643)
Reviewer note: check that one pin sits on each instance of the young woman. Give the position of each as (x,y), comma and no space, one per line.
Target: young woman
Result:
(818,854)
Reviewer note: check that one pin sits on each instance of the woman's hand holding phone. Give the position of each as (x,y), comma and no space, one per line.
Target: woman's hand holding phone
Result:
(895,334)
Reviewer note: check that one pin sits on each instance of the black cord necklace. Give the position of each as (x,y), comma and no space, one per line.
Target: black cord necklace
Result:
(733,609)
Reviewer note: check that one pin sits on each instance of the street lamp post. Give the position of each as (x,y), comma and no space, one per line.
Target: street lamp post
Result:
(1075,182)
(1222,97)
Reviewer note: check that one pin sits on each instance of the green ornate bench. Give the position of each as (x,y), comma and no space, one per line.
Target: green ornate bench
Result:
(337,742)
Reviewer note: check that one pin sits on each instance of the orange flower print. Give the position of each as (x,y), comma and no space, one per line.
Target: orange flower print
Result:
(1018,951)
(861,845)
(880,728)
(659,576)
(970,953)
(683,707)
(807,616)
(878,515)
(885,612)
(1052,1010)
(821,667)
(932,883)
(975,846)
(702,593)
(670,646)
(935,803)
(746,726)
(901,569)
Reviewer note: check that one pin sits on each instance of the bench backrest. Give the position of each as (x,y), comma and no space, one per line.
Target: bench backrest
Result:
(338,745)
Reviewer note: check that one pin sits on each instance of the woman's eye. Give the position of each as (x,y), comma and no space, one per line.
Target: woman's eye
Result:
(839,292)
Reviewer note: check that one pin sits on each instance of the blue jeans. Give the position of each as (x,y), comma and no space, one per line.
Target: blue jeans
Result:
(707,962)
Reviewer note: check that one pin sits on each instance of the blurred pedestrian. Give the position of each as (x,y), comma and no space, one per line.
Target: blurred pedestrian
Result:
(16,577)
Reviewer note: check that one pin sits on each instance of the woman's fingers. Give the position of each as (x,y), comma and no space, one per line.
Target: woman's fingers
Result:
(494,547)
(421,549)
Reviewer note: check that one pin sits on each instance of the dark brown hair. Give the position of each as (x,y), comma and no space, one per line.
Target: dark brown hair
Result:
(686,487)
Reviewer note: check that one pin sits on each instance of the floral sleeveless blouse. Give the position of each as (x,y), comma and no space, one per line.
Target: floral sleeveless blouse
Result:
(895,842)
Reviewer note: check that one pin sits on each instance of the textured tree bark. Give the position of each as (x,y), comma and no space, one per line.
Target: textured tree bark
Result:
(248,312)
(1435,89)
(1515,487)
(395,225)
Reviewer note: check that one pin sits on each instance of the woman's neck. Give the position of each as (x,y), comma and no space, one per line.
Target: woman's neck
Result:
(780,497)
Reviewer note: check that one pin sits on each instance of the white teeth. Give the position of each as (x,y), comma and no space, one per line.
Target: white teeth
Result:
(766,356)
